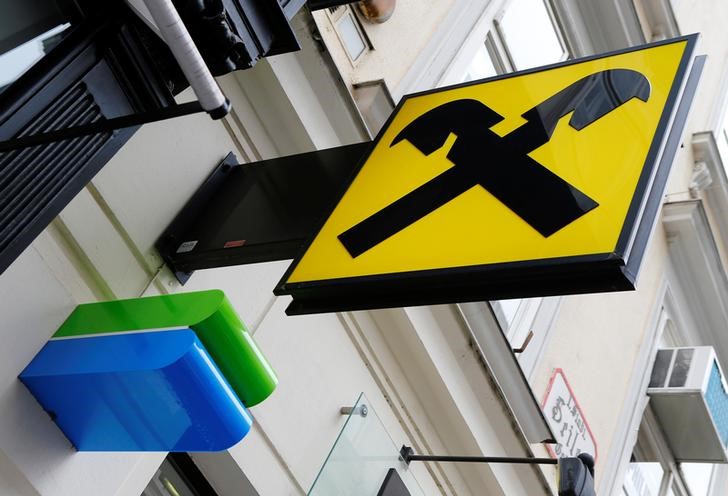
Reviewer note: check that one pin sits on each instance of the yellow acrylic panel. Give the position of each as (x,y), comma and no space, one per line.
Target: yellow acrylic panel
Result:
(604,160)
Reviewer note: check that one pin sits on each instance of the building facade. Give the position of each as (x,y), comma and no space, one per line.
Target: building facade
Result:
(441,379)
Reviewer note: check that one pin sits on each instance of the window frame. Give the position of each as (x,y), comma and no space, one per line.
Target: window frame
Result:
(337,16)
(499,45)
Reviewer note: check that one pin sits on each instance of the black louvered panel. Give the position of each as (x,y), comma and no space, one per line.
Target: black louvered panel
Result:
(98,71)
(33,177)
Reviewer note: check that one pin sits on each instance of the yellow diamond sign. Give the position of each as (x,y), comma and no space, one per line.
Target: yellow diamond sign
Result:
(542,182)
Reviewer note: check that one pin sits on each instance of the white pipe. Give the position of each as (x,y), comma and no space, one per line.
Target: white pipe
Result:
(175,34)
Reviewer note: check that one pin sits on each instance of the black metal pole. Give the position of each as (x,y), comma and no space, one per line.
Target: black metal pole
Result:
(482,459)
(409,456)
(101,126)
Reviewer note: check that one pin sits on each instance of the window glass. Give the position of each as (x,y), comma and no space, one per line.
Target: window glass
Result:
(505,312)
(481,66)
(643,479)
(351,37)
(530,35)
(29,29)
(697,477)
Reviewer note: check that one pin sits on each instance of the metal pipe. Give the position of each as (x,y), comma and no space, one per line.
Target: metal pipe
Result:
(482,459)
(101,126)
(175,34)
(407,454)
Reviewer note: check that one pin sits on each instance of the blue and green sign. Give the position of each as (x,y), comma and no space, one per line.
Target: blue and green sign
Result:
(163,373)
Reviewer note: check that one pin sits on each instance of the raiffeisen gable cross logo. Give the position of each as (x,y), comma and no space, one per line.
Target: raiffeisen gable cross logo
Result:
(551,202)
(541,182)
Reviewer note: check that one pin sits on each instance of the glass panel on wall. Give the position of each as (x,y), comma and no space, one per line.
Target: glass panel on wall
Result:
(530,35)
(29,29)
(362,460)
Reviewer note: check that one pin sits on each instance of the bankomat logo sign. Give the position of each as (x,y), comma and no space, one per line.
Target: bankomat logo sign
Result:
(534,183)
(163,373)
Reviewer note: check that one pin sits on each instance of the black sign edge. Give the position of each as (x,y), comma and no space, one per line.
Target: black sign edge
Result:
(648,220)
(633,218)
(582,274)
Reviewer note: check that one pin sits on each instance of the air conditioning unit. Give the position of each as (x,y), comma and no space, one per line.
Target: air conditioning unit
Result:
(689,396)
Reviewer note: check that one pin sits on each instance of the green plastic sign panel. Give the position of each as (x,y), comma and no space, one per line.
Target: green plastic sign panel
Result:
(164,373)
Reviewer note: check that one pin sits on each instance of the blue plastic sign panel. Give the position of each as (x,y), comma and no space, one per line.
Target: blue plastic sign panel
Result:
(147,391)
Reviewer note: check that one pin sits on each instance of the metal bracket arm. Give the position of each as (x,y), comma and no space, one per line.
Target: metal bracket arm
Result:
(101,126)
(407,454)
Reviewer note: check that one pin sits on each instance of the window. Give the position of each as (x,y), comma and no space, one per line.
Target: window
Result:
(522,36)
(529,35)
(350,31)
(652,470)
(697,477)
(527,324)
(351,36)
(515,317)
(481,66)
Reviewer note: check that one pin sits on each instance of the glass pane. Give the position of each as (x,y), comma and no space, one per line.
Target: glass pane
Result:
(529,34)
(659,370)
(643,479)
(361,457)
(28,30)
(481,66)
(681,367)
(697,477)
(351,37)
(505,312)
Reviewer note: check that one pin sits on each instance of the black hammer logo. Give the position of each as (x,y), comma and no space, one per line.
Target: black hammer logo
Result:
(501,165)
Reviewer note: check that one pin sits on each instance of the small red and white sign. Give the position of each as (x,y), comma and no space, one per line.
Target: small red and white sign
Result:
(567,421)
